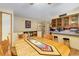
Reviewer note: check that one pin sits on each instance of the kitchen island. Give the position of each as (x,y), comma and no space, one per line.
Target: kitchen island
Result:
(72,36)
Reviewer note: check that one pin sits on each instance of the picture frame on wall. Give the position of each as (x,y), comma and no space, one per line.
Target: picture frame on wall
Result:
(27,24)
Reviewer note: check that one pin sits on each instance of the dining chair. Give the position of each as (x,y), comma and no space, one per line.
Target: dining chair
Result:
(1,51)
(4,46)
(11,50)
(6,49)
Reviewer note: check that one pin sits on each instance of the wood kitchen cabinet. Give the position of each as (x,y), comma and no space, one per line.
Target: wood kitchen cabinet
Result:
(74,21)
(54,22)
(66,22)
(59,22)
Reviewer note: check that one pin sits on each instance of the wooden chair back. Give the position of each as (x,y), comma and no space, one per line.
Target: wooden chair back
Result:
(1,51)
(5,48)
(5,45)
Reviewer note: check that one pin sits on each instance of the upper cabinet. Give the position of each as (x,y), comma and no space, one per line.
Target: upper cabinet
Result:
(53,23)
(66,22)
(59,22)
(74,21)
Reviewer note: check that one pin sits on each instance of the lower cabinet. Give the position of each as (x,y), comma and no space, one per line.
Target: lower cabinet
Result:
(71,41)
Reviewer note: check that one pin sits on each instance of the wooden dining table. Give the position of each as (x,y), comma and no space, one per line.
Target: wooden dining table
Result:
(25,49)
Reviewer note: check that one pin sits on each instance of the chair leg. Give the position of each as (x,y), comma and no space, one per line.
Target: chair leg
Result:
(13,51)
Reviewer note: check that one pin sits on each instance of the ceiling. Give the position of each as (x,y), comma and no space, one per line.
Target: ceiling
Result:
(39,11)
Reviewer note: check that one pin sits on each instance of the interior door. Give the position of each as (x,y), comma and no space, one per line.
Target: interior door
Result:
(6,26)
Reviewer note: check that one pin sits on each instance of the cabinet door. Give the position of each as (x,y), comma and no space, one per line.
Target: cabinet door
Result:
(66,22)
(59,22)
(74,21)
(6,26)
(53,23)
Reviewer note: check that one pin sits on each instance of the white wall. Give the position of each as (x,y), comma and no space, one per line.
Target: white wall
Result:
(47,29)
(19,24)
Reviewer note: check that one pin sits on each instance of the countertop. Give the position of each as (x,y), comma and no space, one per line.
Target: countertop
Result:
(66,32)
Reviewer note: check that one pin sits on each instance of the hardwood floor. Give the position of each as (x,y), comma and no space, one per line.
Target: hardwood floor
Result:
(74,52)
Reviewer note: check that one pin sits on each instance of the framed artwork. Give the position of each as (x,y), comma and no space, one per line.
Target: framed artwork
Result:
(27,24)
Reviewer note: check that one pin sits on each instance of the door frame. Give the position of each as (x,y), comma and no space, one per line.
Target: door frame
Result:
(10,40)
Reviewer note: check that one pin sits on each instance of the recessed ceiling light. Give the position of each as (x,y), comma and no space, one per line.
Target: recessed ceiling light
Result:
(31,3)
(49,3)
